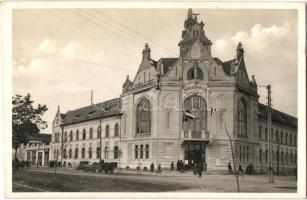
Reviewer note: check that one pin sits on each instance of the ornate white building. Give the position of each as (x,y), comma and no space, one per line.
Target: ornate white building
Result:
(179,109)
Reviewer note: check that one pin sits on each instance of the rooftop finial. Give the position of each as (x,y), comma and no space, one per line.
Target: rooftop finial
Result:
(146,52)
(190,13)
(240,51)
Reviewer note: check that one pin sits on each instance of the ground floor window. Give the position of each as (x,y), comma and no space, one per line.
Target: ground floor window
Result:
(83,153)
(136,151)
(76,153)
(266,156)
(70,153)
(147,151)
(260,155)
(90,152)
(141,151)
(98,152)
(106,152)
(116,152)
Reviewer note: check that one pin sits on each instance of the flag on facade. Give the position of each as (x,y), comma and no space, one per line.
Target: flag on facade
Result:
(188,114)
(213,110)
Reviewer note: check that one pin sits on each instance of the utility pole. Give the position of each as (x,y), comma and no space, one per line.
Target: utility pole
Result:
(100,136)
(270,163)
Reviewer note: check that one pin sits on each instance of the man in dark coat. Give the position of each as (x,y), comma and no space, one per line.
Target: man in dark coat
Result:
(172,166)
(200,168)
(229,168)
(152,167)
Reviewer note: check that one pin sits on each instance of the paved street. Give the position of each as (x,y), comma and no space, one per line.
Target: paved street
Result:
(42,179)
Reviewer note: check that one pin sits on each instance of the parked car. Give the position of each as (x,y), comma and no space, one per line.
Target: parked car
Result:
(83,165)
(95,167)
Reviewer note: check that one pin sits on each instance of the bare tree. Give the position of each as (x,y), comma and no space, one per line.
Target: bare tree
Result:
(60,153)
(233,158)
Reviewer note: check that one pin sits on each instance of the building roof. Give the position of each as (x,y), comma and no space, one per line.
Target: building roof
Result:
(44,137)
(105,109)
(228,65)
(277,116)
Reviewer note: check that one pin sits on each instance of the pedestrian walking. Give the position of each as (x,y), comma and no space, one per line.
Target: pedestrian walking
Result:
(205,167)
(159,169)
(194,169)
(200,168)
(172,166)
(240,170)
(178,165)
(229,168)
(152,167)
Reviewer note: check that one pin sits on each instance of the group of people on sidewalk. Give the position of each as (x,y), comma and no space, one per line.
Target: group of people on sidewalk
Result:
(249,169)
(198,167)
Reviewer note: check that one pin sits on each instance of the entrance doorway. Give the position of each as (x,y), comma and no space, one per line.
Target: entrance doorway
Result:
(194,152)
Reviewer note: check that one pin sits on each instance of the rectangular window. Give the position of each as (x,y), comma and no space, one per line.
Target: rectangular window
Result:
(136,151)
(141,151)
(106,152)
(76,153)
(240,153)
(282,157)
(70,153)
(83,153)
(260,155)
(98,152)
(167,119)
(90,152)
(266,156)
(147,151)
(247,148)
(116,152)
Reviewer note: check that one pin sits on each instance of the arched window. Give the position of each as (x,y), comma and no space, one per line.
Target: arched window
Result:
(259,133)
(266,133)
(195,115)
(70,136)
(90,152)
(143,117)
(107,131)
(106,152)
(65,136)
(83,153)
(98,132)
(84,134)
(77,134)
(195,73)
(277,137)
(116,130)
(242,121)
(116,154)
(91,133)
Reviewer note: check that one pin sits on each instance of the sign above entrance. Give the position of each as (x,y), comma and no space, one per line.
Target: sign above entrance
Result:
(195,85)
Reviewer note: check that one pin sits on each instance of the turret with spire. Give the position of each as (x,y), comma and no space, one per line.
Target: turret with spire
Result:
(240,51)
(193,30)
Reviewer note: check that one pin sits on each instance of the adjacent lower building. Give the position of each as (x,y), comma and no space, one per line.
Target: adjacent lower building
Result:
(36,150)
(180,108)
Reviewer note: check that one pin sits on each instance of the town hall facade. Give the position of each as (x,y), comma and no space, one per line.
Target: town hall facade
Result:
(179,109)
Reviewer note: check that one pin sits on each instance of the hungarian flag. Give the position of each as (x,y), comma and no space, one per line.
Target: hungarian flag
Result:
(212,110)
(188,115)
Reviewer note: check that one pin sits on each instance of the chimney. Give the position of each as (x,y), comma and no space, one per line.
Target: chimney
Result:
(146,52)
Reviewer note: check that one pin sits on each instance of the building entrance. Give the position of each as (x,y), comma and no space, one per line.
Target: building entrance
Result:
(194,152)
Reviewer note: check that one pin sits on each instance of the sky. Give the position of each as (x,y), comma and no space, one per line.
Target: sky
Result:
(59,56)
